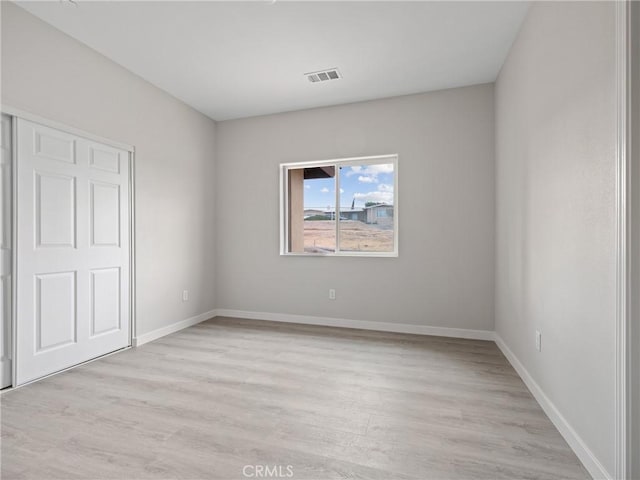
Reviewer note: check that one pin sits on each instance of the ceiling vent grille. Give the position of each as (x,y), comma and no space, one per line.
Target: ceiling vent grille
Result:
(323,75)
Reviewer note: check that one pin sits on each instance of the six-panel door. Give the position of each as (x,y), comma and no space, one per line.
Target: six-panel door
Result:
(73,250)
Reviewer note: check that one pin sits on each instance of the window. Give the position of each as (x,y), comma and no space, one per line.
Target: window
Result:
(340,207)
(384,212)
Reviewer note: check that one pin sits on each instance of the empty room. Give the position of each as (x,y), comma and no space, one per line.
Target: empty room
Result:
(320,240)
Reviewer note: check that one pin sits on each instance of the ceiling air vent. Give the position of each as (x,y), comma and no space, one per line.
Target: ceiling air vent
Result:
(323,75)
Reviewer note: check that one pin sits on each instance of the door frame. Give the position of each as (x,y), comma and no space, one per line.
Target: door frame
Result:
(627,198)
(16,113)
(628,378)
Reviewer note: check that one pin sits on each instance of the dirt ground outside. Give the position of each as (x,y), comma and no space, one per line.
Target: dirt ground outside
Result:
(355,236)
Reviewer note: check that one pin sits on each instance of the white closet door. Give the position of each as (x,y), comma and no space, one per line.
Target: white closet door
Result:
(5,251)
(73,250)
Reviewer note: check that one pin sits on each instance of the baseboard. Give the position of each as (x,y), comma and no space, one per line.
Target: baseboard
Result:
(586,456)
(174,327)
(360,324)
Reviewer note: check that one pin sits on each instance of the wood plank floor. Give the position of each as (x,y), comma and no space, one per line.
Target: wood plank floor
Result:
(330,403)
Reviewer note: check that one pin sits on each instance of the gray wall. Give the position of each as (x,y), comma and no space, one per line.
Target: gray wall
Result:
(555,165)
(48,73)
(444,274)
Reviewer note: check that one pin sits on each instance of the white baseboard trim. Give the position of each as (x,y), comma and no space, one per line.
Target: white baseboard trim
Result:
(586,456)
(174,327)
(360,324)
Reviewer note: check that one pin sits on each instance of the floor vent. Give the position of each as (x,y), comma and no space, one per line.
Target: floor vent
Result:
(324,75)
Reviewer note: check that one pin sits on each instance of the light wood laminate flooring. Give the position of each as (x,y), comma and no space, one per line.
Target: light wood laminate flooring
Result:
(226,397)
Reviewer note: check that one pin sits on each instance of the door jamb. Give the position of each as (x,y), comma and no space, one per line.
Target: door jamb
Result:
(627,318)
(628,462)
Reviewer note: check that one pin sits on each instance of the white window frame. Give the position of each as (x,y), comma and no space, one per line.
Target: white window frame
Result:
(339,162)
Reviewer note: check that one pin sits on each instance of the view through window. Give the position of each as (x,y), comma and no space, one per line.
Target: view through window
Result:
(341,207)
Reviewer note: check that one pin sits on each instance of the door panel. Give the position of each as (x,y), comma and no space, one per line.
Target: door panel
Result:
(56,320)
(55,216)
(105,301)
(73,260)
(54,145)
(105,214)
(105,158)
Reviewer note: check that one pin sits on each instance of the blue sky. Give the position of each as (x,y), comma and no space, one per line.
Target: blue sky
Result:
(365,183)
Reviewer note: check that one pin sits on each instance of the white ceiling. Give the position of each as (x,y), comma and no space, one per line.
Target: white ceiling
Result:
(239,59)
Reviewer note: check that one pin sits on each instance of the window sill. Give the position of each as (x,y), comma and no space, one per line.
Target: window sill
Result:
(343,254)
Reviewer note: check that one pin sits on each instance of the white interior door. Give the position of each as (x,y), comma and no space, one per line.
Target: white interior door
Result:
(72,274)
(5,251)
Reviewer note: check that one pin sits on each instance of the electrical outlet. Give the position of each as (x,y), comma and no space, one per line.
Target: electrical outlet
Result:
(185,295)
(332,294)
(538,341)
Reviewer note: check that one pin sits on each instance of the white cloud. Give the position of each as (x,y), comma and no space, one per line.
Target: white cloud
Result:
(325,190)
(384,194)
(354,170)
(367,179)
(369,173)
(381,197)
(341,190)
(380,168)
(307,187)
(370,169)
